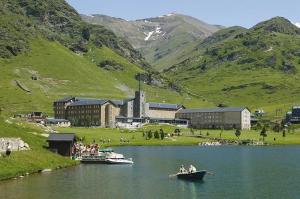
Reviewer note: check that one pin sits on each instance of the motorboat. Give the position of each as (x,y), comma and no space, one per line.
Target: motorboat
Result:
(106,156)
(116,158)
(118,161)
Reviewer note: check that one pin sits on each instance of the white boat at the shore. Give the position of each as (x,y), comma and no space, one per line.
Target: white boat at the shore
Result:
(106,156)
(116,158)
(118,161)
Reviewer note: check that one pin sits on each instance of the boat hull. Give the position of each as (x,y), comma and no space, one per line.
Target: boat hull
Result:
(195,176)
(109,161)
(106,161)
(93,161)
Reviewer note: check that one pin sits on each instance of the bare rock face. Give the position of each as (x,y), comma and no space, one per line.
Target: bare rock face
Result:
(16,144)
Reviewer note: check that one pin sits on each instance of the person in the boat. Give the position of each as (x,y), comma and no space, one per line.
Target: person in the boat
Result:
(192,169)
(182,169)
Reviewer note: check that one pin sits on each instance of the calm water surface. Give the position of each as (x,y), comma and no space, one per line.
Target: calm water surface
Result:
(239,172)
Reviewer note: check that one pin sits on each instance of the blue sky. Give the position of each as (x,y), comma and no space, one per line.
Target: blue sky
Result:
(223,12)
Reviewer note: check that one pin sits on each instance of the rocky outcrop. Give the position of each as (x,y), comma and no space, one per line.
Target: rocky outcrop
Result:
(16,144)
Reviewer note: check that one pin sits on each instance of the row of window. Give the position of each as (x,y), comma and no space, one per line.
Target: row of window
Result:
(84,107)
(85,112)
(60,112)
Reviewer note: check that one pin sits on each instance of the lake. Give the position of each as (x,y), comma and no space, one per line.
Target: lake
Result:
(239,172)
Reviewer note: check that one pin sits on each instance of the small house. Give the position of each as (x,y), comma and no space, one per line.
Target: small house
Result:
(61,143)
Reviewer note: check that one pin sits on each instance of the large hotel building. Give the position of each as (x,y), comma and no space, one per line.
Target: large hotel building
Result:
(107,113)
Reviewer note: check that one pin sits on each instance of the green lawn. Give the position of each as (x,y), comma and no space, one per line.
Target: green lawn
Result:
(135,137)
(291,138)
(187,138)
(38,158)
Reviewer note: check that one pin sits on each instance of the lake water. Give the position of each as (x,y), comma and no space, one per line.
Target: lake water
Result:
(239,172)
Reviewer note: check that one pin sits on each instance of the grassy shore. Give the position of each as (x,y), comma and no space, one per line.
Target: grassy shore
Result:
(187,138)
(31,161)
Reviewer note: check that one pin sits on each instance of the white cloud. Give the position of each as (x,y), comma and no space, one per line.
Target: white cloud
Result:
(297,24)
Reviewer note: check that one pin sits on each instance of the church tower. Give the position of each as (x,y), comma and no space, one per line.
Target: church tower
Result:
(139,105)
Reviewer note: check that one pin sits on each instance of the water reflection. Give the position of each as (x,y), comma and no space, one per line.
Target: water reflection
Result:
(191,187)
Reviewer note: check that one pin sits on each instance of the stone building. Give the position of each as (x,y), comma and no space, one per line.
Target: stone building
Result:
(294,115)
(106,113)
(162,110)
(227,118)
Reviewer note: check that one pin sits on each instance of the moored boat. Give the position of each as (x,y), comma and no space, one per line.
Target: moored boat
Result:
(116,158)
(92,159)
(106,156)
(118,161)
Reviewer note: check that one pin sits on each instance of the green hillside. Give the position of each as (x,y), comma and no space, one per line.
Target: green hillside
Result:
(34,160)
(68,57)
(62,73)
(258,67)
(22,20)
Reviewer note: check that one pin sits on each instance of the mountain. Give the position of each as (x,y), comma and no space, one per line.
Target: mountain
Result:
(160,39)
(47,52)
(257,67)
(55,20)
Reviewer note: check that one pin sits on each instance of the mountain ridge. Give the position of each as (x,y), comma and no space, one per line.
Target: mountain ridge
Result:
(157,38)
(238,66)
(46,48)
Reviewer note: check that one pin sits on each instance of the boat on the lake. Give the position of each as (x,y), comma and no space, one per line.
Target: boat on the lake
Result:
(195,176)
(190,174)
(106,156)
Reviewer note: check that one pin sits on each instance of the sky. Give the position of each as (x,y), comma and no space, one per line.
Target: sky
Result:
(244,13)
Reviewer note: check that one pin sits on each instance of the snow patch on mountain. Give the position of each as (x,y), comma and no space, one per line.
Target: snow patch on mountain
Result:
(158,30)
(167,15)
(154,34)
(149,35)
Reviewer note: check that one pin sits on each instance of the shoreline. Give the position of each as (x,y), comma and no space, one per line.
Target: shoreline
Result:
(45,170)
(75,163)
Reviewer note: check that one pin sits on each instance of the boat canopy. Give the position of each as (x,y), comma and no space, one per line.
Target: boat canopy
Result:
(106,150)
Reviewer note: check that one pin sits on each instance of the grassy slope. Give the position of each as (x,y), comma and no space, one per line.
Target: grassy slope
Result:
(261,83)
(63,73)
(31,161)
(283,97)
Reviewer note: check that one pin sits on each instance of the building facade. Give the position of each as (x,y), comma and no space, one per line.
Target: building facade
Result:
(162,110)
(216,118)
(106,113)
(294,115)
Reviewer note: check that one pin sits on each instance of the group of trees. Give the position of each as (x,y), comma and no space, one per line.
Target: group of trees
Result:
(263,133)
(156,134)
(160,134)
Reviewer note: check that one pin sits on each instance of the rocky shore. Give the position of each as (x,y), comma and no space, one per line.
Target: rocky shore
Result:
(16,144)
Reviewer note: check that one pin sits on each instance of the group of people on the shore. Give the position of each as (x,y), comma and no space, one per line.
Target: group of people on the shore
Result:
(80,149)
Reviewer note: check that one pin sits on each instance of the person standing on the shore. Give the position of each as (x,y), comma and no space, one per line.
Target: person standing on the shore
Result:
(8,149)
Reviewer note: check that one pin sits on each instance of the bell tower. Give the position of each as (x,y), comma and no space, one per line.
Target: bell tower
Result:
(139,109)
